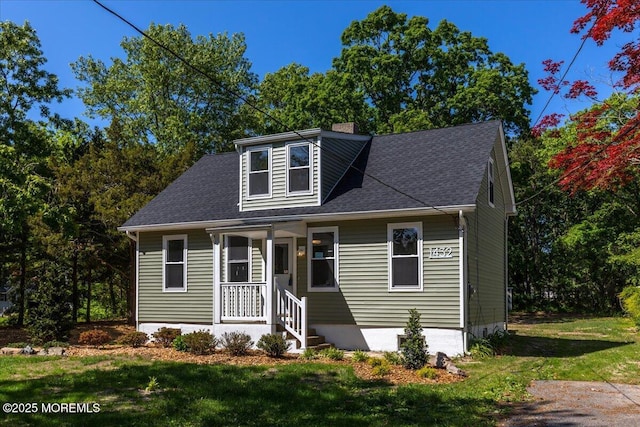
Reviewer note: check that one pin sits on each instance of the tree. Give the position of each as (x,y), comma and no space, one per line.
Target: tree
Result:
(418,78)
(414,347)
(156,98)
(24,144)
(606,150)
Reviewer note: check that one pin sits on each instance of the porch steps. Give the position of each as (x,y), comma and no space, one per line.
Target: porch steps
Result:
(314,341)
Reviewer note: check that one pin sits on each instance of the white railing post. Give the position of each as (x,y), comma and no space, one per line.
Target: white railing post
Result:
(217,291)
(268,306)
(303,315)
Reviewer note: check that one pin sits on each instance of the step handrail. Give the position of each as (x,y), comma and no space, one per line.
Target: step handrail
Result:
(291,312)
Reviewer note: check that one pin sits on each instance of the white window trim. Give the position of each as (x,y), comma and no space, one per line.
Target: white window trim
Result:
(165,243)
(310,167)
(336,260)
(420,248)
(491,183)
(226,258)
(269,148)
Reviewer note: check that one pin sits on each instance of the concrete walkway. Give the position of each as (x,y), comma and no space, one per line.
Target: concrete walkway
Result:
(578,403)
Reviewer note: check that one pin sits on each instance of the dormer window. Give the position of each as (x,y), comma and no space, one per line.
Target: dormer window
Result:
(259,172)
(299,174)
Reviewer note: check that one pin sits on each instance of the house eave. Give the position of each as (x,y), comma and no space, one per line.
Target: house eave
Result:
(307,218)
(277,137)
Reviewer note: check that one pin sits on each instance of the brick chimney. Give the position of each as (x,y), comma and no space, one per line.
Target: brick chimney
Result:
(349,127)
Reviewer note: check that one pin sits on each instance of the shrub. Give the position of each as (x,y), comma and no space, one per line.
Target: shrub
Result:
(630,300)
(379,367)
(273,344)
(331,353)
(49,315)
(165,336)
(308,354)
(17,345)
(393,357)
(95,337)
(359,356)
(199,342)
(236,343)
(134,339)
(427,372)
(50,344)
(481,349)
(414,348)
(179,343)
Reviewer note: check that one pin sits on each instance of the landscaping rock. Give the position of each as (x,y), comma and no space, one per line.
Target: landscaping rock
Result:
(28,350)
(439,360)
(11,351)
(453,369)
(56,351)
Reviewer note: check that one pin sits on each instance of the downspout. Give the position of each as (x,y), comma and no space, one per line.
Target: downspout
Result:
(462,238)
(506,273)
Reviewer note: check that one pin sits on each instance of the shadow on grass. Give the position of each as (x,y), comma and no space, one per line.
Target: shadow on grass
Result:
(205,395)
(531,346)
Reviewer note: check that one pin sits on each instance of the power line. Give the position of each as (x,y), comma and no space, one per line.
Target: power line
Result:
(260,110)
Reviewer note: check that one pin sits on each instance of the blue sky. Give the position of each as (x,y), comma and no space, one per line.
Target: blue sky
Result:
(308,32)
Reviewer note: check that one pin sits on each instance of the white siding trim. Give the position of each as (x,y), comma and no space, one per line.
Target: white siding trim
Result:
(336,258)
(420,250)
(138,278)
(185,253)
(462,267)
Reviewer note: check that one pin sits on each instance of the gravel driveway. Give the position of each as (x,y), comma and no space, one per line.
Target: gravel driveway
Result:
(578,403)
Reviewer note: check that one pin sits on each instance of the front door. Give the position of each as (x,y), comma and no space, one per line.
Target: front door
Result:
(283,264)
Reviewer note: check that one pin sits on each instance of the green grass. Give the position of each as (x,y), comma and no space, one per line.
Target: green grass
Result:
(315,394)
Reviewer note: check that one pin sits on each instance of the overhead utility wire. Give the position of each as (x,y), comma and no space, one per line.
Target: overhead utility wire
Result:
(260,110)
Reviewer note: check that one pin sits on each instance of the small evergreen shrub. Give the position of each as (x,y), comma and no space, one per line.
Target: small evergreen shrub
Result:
(331,353)
(393,357)
(359,356)
(199,342)
(630,300)
(95,337)
(179,343)
(427,372)
(165,336)
(133,339)
(308,354)
(237,343)
(49,315)
(414,348)
(273,344)
(379,367)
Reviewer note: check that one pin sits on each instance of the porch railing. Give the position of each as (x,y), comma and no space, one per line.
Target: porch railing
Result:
(291,313)
(243,301)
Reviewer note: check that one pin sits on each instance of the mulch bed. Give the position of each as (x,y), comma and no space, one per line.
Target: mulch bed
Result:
(398,374)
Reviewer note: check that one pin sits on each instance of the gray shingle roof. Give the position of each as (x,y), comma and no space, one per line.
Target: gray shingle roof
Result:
(432,168)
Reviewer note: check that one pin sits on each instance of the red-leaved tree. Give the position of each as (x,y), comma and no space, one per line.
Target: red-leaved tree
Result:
(606,150)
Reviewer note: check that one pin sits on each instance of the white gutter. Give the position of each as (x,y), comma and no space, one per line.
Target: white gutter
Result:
(462,238)
(323,217)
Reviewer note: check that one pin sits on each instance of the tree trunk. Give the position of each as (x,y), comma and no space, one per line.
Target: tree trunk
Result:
(74,284)
(88,315)
(131,291)
(23,275)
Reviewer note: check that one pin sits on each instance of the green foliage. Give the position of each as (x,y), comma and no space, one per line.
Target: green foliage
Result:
(379,367)
(50,344)
(17,344)
(427,372)
(152,385)
(199,342)
(179,344)
(414,347)
(331,353)
(273,344)
(360,356)
(630,299)
(393,357)
(94,337)
(236,343)
(308,354)
(50,313)
(481,348)
(165,336)
(133,339)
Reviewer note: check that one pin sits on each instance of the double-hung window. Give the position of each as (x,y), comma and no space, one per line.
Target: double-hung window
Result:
(405,256)
(259,171)
(491,182)
(237,259)
(174,259)
(299,174)
(323,259)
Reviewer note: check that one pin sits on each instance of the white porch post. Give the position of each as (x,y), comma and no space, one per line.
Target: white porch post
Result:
(269,273)
(215,238)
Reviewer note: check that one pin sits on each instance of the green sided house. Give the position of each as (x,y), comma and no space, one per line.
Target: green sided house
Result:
(334,232)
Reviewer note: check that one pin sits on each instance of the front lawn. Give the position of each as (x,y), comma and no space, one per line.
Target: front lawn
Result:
(139,391)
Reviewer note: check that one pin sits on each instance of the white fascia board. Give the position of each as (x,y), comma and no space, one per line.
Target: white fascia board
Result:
(277,137)
(323,217)
(511,206)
